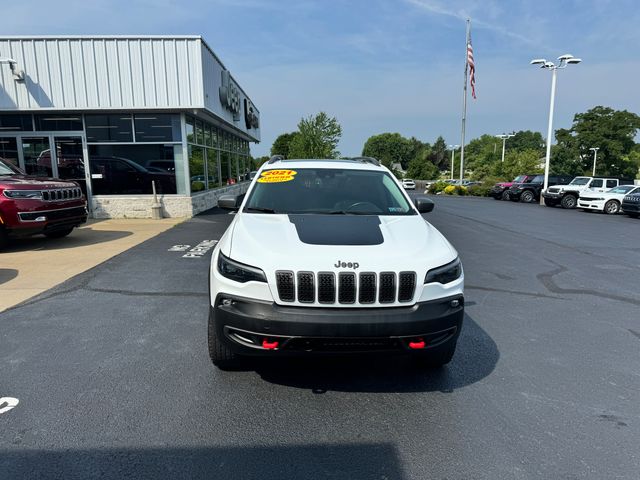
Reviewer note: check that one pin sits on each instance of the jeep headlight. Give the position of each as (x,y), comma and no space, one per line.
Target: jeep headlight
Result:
(21,194)
(445,274)
(239,272)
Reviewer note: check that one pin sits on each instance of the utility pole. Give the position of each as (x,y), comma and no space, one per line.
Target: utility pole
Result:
(504,138)
(595,157)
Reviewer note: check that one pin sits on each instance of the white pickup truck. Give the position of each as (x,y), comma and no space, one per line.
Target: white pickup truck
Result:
(567,195)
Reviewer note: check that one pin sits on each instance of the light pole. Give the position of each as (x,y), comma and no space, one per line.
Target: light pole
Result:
(504,138)
(453,150)
(565,60)
(595,157)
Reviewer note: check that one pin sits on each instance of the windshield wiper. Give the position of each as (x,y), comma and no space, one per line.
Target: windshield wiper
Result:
(259,210)
(347,212)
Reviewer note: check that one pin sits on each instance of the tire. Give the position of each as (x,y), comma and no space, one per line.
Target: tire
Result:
(527,196)
(59,233)
(569,202)
(550,203)
(504,195)
(612,207)
(221,356)
(438,358)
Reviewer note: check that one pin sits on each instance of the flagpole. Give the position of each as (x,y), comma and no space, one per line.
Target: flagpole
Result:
(464,99)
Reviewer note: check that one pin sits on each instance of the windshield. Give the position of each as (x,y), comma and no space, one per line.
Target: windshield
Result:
(6,168)
(622,189)
(580,181)
(329,191)
(519,179)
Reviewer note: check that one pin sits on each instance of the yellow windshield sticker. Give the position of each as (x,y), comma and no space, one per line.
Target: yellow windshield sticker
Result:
(276,176)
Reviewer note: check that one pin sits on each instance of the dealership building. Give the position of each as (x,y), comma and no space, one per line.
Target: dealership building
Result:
(119,114)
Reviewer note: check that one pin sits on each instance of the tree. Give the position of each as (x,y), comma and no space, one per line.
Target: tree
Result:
(612,131)
(282,144)
(526,140)
(516,163)
(317,137)
(389,148)
(438,156)
(422,169)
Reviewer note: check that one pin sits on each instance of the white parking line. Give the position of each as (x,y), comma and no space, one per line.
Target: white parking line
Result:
(7,403)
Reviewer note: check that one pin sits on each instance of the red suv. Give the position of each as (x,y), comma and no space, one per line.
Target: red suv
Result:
(30,205)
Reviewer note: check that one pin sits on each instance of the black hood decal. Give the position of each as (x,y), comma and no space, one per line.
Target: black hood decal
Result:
(338,229)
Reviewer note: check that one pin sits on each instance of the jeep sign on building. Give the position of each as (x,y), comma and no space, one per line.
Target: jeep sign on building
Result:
(118,114)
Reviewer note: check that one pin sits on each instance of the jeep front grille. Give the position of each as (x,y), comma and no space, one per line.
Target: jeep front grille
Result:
(306,287)
(61,194)
(286,289)
(346,287)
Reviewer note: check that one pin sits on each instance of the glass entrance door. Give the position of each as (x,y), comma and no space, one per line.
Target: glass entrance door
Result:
(37,156)
(70,160)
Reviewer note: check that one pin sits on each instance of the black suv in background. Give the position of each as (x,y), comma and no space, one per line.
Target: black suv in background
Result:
(631,205)
(530,191)
(500,191)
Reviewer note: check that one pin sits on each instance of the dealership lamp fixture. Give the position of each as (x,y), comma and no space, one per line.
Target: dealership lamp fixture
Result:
(453,149)
(13,65)
(564,62)
(504,138)
(595,157)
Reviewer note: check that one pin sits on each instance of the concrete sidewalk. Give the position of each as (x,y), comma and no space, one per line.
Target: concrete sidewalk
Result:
(33,265)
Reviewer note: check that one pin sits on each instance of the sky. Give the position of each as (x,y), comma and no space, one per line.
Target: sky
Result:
(386,65)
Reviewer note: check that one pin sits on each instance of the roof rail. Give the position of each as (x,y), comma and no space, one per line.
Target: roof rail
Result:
(366,160)
(276,158)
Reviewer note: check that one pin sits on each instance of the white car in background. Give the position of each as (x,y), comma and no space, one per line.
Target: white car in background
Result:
(408,184)
(607,202)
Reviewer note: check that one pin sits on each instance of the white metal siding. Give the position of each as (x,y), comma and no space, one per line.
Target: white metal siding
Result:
(102,73)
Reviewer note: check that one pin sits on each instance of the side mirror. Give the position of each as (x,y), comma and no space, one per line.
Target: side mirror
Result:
(423,204)
(230,202)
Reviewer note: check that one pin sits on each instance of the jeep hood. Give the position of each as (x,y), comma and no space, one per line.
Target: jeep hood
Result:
(317,242)
(27,182)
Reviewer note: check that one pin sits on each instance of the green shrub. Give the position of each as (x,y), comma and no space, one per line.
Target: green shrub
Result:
(479,190)
(438,187)
(455,190)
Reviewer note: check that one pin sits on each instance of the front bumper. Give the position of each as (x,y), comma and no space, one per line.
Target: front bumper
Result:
(552,195)
(496,192)
(591,204)
(244,325)
(45,221)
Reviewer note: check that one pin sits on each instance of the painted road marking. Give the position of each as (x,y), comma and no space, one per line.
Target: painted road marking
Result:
(201,249)
(7,403)
(179,248)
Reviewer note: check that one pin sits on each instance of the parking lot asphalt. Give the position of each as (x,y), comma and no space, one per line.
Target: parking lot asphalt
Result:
(114,381)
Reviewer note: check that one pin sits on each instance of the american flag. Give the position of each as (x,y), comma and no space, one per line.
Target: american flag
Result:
(472,68)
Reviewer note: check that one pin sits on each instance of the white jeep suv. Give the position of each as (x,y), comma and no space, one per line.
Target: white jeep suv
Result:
(332,256)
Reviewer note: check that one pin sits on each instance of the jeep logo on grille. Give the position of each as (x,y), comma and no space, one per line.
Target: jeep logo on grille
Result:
(353,265)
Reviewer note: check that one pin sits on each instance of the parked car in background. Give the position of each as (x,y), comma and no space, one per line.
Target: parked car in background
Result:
(408,184)
(530,191)
(609,202)
(631,205)
(31,205)
(566,194)
(500,191)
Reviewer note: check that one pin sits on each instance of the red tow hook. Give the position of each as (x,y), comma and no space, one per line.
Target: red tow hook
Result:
(417,345)
(269,345)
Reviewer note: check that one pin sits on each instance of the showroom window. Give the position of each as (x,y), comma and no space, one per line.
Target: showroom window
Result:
(109,128)
(130,169)
(157,127)
(16,122)
(212,168)
(58,122)
(196,168)
(9,151)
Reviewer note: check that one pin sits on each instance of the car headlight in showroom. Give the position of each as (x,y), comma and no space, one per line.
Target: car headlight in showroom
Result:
(445,274)
(239,272)
(35,194)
